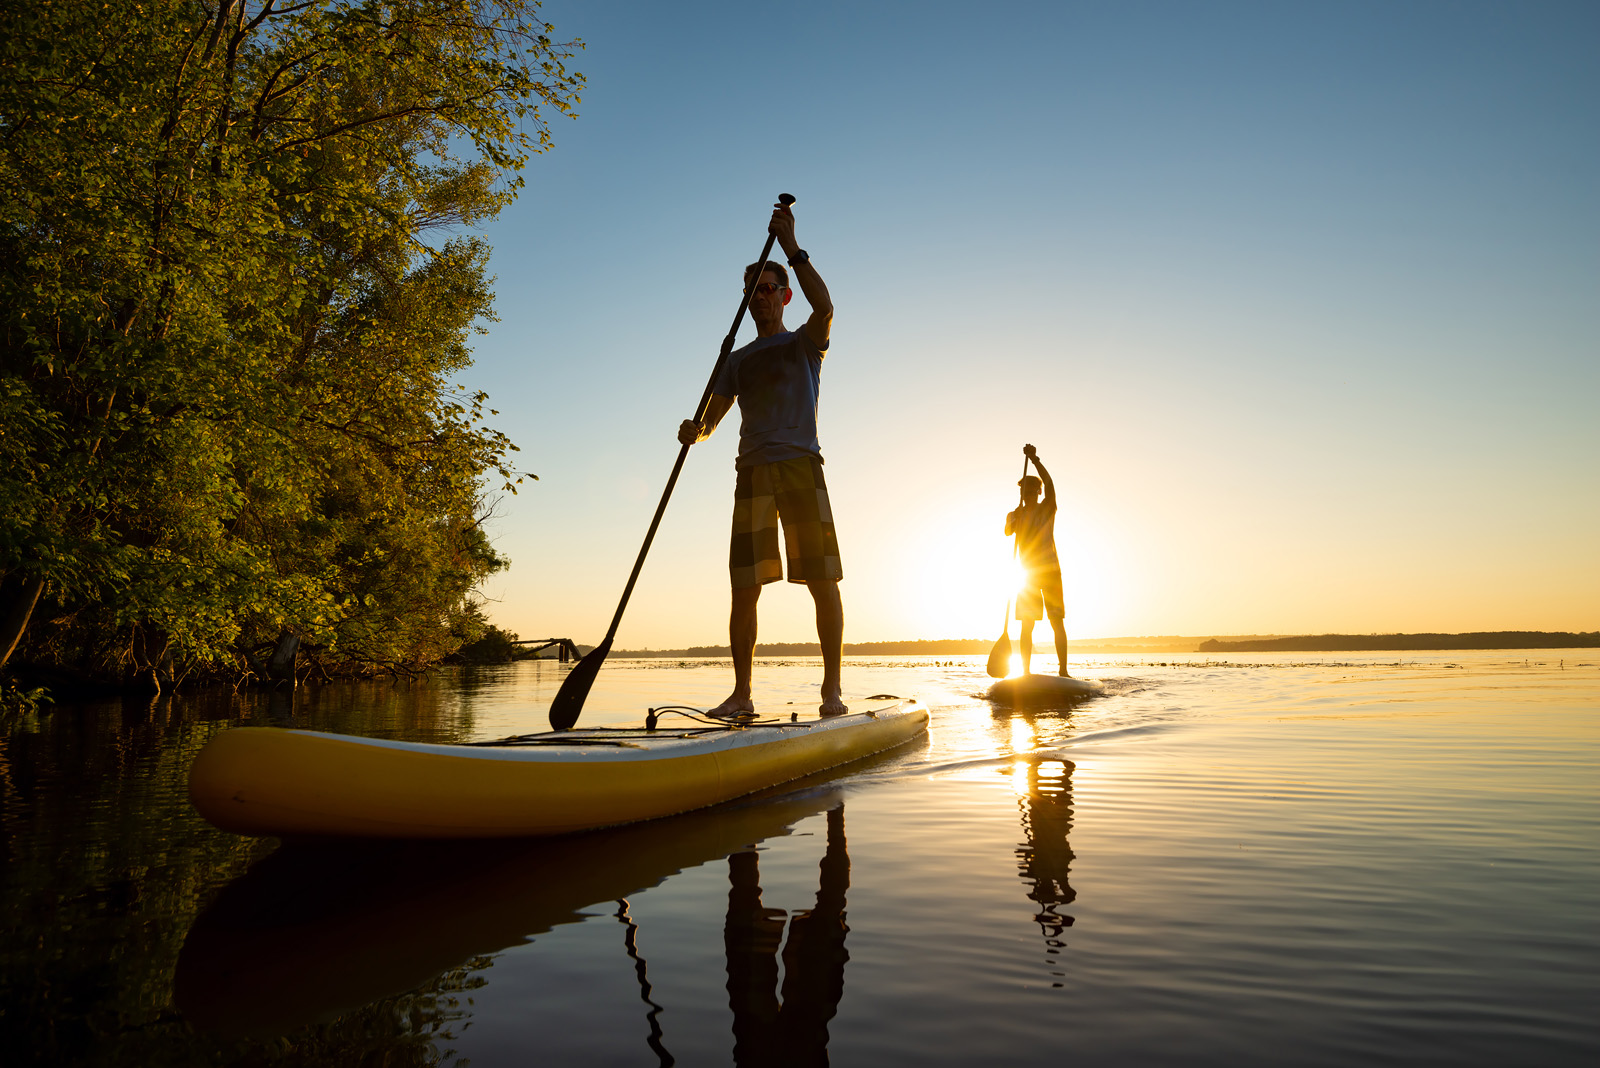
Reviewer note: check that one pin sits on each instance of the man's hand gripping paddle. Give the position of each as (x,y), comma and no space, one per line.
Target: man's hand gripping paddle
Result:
(1000,656)
(575,687)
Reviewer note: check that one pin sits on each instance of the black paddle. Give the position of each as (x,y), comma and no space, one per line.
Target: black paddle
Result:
(575,687)
(1000,656)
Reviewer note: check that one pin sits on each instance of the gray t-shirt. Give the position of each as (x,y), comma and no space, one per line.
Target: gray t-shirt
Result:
(776,380)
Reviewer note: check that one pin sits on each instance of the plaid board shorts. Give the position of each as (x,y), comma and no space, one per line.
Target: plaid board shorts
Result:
(1041,593)
(793,492)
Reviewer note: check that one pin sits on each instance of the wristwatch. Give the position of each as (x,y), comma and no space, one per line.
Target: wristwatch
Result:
(800,256)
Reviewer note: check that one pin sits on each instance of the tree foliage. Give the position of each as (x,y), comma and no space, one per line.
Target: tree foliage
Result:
(492,646)
(236,291)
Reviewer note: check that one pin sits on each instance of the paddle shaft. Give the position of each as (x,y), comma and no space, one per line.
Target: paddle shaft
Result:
(1005,624)
(1002,646)
(699,414)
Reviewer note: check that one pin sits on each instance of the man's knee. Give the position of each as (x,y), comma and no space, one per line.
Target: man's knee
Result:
(826,591)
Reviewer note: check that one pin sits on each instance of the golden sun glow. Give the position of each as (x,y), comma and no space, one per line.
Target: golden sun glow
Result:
(959,573)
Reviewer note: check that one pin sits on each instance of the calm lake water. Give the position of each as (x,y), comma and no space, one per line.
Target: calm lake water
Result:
(1263,859)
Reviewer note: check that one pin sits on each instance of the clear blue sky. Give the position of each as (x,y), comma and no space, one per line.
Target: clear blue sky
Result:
(1301,304)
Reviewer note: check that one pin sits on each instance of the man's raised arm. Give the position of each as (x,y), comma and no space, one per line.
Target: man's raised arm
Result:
(820,324)
(1044,476)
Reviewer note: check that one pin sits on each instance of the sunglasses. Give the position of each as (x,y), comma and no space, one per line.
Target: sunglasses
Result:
(766,289)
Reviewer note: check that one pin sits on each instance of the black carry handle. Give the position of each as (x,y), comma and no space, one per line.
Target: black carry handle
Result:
(568,703)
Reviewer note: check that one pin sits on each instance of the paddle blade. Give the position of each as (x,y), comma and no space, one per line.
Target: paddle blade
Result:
(575,687)
(999,658)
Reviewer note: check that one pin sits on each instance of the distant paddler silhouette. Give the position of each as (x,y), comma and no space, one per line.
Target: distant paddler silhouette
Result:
(1034,525)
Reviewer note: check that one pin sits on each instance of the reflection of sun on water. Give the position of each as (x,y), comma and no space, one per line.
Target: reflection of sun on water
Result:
(1023,740)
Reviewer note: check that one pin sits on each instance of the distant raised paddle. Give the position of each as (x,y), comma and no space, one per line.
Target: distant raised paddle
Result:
(1000,656)
(575,687)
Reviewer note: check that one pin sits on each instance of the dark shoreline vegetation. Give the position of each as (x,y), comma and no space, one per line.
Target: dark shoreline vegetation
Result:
(1324,643)
(236,292)
(106,787)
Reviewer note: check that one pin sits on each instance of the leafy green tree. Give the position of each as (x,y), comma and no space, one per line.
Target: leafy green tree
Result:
(493,646)
(236,293)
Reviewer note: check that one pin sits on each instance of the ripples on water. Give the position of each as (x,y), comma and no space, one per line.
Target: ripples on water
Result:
(1263,860)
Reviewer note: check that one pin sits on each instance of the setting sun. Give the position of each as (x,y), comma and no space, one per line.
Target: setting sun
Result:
(969,559)
(959,572)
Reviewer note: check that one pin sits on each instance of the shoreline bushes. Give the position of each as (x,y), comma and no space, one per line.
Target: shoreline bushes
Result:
(236,292)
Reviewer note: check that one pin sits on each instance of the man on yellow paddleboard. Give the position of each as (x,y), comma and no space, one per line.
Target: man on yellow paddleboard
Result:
(1034,524)
(776,379)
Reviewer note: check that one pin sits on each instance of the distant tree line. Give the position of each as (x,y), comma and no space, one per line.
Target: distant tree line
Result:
(1324,643)
(235,292)
(1339,643)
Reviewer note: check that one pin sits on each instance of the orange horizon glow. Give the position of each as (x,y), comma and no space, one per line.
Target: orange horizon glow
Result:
(926,558)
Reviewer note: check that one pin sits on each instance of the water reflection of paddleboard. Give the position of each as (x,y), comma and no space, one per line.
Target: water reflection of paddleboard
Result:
(315,930)
(1034,689)
(265,781)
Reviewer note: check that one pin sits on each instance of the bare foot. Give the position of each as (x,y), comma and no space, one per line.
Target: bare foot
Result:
(832,705)
(733,708)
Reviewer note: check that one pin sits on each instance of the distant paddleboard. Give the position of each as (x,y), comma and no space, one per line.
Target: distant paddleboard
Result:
(1034,689)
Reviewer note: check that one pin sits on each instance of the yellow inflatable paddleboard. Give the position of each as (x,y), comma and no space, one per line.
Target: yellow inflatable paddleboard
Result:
(268,781)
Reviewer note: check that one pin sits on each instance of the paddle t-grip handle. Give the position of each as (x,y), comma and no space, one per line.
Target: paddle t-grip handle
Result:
(784,200)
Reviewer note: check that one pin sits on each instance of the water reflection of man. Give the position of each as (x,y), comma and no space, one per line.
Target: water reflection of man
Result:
(1045,860)
(793,1032)
(1034,524)
(776,379)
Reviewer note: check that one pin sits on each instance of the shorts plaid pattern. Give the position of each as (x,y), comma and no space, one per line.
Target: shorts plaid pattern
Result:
(1041,594)
(793,492)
